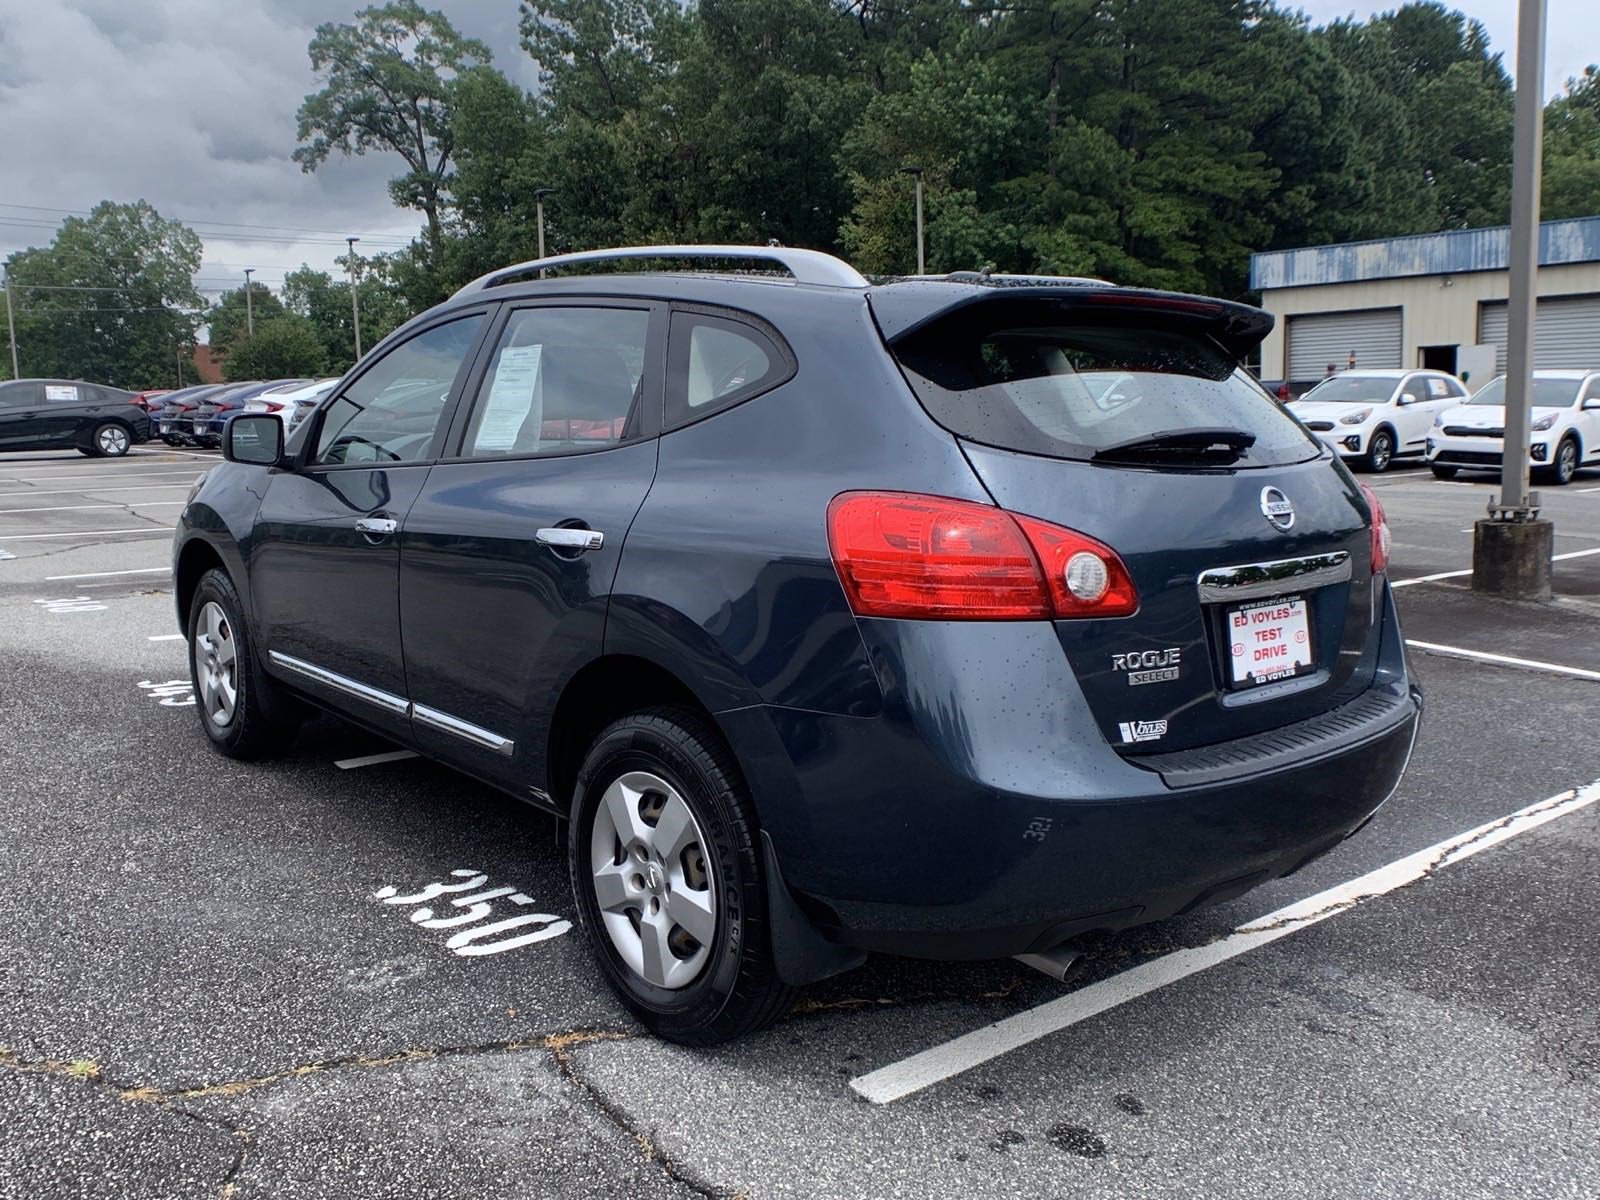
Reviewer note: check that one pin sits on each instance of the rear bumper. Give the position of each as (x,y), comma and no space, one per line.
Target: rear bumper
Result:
(952,831)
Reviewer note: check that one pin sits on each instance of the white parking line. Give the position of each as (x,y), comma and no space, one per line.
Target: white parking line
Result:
(84,491)
(1504,659)
(81,507)
(935,1065)
(108,574)
(164,473)
(372,760)
(1458,574)
(165,637)
(83,533)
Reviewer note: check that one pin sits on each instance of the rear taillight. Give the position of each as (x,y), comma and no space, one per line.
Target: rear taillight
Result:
(933,558)
(1380,530)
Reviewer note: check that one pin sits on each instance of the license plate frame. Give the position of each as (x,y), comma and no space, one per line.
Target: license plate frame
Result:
(1269,641)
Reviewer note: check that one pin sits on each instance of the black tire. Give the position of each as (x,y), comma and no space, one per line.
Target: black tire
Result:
(264,716)
(1446,472)
(1380,451)
(110,439)
(1564,465)
(737,990)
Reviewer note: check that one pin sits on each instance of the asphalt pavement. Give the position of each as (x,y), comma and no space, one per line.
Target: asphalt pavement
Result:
(217,981)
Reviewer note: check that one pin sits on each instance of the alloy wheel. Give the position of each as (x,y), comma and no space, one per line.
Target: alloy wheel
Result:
(113,441)
(216,661)
(1380,451)
(652,880)
(1566,461)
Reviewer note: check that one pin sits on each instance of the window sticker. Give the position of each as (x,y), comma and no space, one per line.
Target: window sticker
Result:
(56,391)
(511,400)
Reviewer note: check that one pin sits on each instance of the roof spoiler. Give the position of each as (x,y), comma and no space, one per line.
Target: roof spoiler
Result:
(904,308)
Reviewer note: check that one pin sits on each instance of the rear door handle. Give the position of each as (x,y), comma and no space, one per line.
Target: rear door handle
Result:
(376,526)
(571,539)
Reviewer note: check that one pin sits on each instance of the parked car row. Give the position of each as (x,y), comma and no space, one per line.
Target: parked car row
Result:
(47,414)
(1372,418)
(197,416)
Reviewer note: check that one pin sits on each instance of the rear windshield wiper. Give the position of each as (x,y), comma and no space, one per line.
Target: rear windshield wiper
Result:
(1207,445)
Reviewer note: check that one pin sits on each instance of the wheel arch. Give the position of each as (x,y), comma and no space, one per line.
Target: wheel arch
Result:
(190,565)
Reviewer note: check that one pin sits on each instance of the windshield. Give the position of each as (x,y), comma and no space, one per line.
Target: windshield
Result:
(1351,389)
(1076,390)
(1547,393)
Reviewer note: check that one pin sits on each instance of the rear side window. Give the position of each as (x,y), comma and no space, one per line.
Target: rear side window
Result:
(562,381)
(1069,389)
(713,362)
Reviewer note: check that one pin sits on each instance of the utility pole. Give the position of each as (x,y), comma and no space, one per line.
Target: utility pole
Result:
(1511,549)
(11,325)
(922,266)
(538,202)
(355,304)
(249,309)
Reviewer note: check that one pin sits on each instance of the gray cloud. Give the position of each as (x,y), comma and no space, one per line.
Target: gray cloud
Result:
(190,104)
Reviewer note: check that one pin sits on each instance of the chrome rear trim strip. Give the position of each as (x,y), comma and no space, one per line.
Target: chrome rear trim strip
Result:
(341,683)
(475,734)
(1254,581)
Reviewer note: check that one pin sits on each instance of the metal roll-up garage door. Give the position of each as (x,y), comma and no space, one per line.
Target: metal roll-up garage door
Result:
(1566,332)
(1317,339)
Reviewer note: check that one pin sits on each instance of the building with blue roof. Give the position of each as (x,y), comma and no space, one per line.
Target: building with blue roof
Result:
(1435,300)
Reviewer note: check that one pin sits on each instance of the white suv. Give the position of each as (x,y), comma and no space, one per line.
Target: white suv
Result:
(1565,431)
(1375,417)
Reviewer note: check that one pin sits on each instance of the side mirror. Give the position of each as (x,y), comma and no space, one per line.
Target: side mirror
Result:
(1408,398)
(253,438)
(1593,402)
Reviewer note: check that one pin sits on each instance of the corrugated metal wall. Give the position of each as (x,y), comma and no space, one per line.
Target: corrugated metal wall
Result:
(1318,339)
(1452,253)
(1566,332)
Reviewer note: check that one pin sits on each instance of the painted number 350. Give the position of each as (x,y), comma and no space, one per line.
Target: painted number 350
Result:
(466,910)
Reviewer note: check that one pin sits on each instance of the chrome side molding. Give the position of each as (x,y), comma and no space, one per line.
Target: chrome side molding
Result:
(398,705)
(1255,581)
(387,701)
(464,730)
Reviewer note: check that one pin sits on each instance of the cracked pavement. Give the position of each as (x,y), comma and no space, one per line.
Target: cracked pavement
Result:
(202,996)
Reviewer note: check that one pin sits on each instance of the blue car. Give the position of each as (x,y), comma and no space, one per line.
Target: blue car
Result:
(953,617)
(214,412)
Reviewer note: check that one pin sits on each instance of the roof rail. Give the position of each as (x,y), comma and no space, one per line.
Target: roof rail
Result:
(807,266)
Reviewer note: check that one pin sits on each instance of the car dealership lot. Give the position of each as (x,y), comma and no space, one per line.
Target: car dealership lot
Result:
(215,982)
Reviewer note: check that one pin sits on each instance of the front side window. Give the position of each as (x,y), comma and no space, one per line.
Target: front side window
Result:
(391,413)
(562,381)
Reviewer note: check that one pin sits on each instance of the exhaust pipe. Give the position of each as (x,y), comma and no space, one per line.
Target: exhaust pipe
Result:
(1056,962)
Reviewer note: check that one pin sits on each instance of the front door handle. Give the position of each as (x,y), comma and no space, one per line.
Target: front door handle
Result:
(571,539)
(376,526)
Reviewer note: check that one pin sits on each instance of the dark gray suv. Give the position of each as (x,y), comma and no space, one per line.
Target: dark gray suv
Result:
(953,617)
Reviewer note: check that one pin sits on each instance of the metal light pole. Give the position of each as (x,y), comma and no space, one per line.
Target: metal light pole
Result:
(1511,550)
(917,173)
(538,202)
(11,325)
(355,305)
(249,309)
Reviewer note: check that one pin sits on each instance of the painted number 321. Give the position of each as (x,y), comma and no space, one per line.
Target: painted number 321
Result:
(471,902)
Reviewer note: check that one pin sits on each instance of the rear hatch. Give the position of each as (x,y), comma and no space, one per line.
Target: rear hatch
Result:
(1121,414)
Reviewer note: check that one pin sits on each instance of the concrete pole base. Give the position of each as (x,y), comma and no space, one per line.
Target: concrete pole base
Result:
(1512,558)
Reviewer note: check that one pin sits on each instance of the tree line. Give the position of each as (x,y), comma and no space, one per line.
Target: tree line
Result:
(1152,142)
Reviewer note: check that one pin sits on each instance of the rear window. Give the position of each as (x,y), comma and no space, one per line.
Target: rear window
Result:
(1071,389)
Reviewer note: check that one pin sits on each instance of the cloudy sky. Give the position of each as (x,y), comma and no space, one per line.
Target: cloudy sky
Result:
(190,104)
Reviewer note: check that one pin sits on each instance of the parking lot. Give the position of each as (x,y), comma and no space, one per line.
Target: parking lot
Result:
(219,979)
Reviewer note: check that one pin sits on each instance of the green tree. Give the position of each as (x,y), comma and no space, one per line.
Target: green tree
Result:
(325,303)
(229,318)
(284,347)
(1572,150)
(110,300)
(388,80)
